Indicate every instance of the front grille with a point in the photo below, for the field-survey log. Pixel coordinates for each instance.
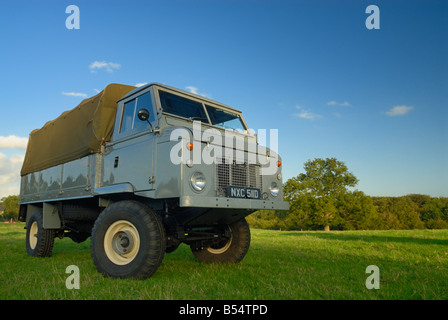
(230, 173)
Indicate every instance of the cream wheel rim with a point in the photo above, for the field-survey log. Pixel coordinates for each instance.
(121, 242)
(33, 235)
(223, 248)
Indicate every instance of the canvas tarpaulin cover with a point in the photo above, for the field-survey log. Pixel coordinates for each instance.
(75, 133)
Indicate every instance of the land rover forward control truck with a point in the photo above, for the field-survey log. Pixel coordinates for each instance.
(142, 170)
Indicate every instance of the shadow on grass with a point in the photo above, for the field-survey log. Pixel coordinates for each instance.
(340, 235)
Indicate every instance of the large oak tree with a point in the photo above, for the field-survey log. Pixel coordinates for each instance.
(325, 180)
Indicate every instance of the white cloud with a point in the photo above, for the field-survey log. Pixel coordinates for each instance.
(192, 89)
(74, 94)
(10, 174)
(399, 111)
(10, 166)
(108, 66)
(305, 114)
(334, 103)
(13, 142)
(196, 91)
(337, 115)
(140, 84)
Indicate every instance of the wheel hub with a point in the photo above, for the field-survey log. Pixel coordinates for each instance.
(121, 242)
(33, 235)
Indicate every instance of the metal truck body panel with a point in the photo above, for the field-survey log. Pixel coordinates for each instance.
(69, 180)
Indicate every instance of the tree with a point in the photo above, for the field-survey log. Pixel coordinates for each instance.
(357, 212)
(398, 213)
(325, 180)
(434, 213)
(11, 204)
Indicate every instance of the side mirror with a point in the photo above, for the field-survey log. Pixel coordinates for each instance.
(143, 114)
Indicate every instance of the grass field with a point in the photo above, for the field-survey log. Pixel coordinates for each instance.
(279, 265)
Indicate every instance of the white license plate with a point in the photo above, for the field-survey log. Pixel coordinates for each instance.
(241, 192)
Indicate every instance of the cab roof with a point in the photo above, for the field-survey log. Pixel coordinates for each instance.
(182, 92)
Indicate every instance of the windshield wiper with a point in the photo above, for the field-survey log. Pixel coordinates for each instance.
(198, 118)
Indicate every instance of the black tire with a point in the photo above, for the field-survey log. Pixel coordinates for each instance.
(231, 251)
(128, 241)
(39, 241)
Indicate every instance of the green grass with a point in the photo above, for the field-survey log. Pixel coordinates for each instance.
(279, 265)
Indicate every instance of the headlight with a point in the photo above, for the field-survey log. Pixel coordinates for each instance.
(198, 181)
(274, 189)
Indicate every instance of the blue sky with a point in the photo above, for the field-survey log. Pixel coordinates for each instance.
(374, 99)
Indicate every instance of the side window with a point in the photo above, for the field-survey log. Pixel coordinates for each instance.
(144, 101)
(128, 116)
(130, 121)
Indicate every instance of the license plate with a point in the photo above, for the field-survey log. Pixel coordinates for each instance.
(241, 192)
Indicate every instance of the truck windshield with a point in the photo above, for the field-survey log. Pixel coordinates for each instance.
(193, 110)
(182, 107)
(224, 119)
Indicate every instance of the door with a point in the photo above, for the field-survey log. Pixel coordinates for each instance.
(130, 157)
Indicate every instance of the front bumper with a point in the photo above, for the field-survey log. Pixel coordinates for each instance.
(231, 203)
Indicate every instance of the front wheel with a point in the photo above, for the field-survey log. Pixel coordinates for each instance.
(229, 250)
(128, 241)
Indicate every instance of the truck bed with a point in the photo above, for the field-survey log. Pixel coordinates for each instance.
(74, 179)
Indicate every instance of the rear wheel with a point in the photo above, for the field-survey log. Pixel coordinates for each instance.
(231, 249)
(128, 241)
(39, 241)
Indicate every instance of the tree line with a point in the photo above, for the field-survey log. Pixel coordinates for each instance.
(320, 199)
(357, 211)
